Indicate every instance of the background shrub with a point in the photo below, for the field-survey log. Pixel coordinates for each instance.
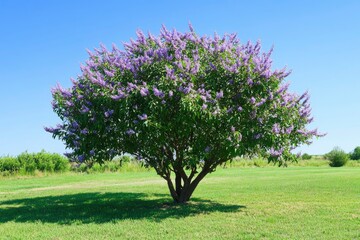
(119, 163)
(44, 162)
(61, 163)
(337, 157)
(306, 156)
(29, 163)
(125, 159)
(9, 164)
(112, 166)
(81, 168)
(355, 155)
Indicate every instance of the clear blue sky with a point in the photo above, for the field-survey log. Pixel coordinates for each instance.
(44, 42)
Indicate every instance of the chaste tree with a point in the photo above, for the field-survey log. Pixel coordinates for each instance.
(182, 104)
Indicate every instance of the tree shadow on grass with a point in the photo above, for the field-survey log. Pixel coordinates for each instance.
(98, 207)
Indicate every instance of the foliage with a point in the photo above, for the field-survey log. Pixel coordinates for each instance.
(120, 163)
(337, 157)
(30, 162)
(9, 164)
(355, 155)
(306, 156)
(181, 102)
(259, 162)
(352, 164)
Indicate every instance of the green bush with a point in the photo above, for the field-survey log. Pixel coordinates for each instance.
(97, 168)
(9, 164)
(44, 162)
(337, 157)
(61, 163)
(306, 156)
(112, 166)
(29, 163)
(310, 163)
(355, 155)
(51, 162)
(81, 168)
(119, 163)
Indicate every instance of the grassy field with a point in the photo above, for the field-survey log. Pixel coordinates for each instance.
(234, 203)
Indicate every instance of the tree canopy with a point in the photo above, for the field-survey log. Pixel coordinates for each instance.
(355, 155)
(182, 104)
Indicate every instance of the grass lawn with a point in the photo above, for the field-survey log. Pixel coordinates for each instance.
(233, 203)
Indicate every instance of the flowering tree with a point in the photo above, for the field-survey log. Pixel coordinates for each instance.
(182, 104)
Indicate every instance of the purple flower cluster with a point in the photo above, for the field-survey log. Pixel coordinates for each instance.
(276, 153)
(276, 128)
(143, 117)
(108, 113)
(158, 93)
(219, 94)
(144, 91)
(130, 132)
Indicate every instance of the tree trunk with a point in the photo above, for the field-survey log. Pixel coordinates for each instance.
(182, 193)
(178, 185)
(172, 190)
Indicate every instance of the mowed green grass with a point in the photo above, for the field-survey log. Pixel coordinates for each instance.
(233, 203)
